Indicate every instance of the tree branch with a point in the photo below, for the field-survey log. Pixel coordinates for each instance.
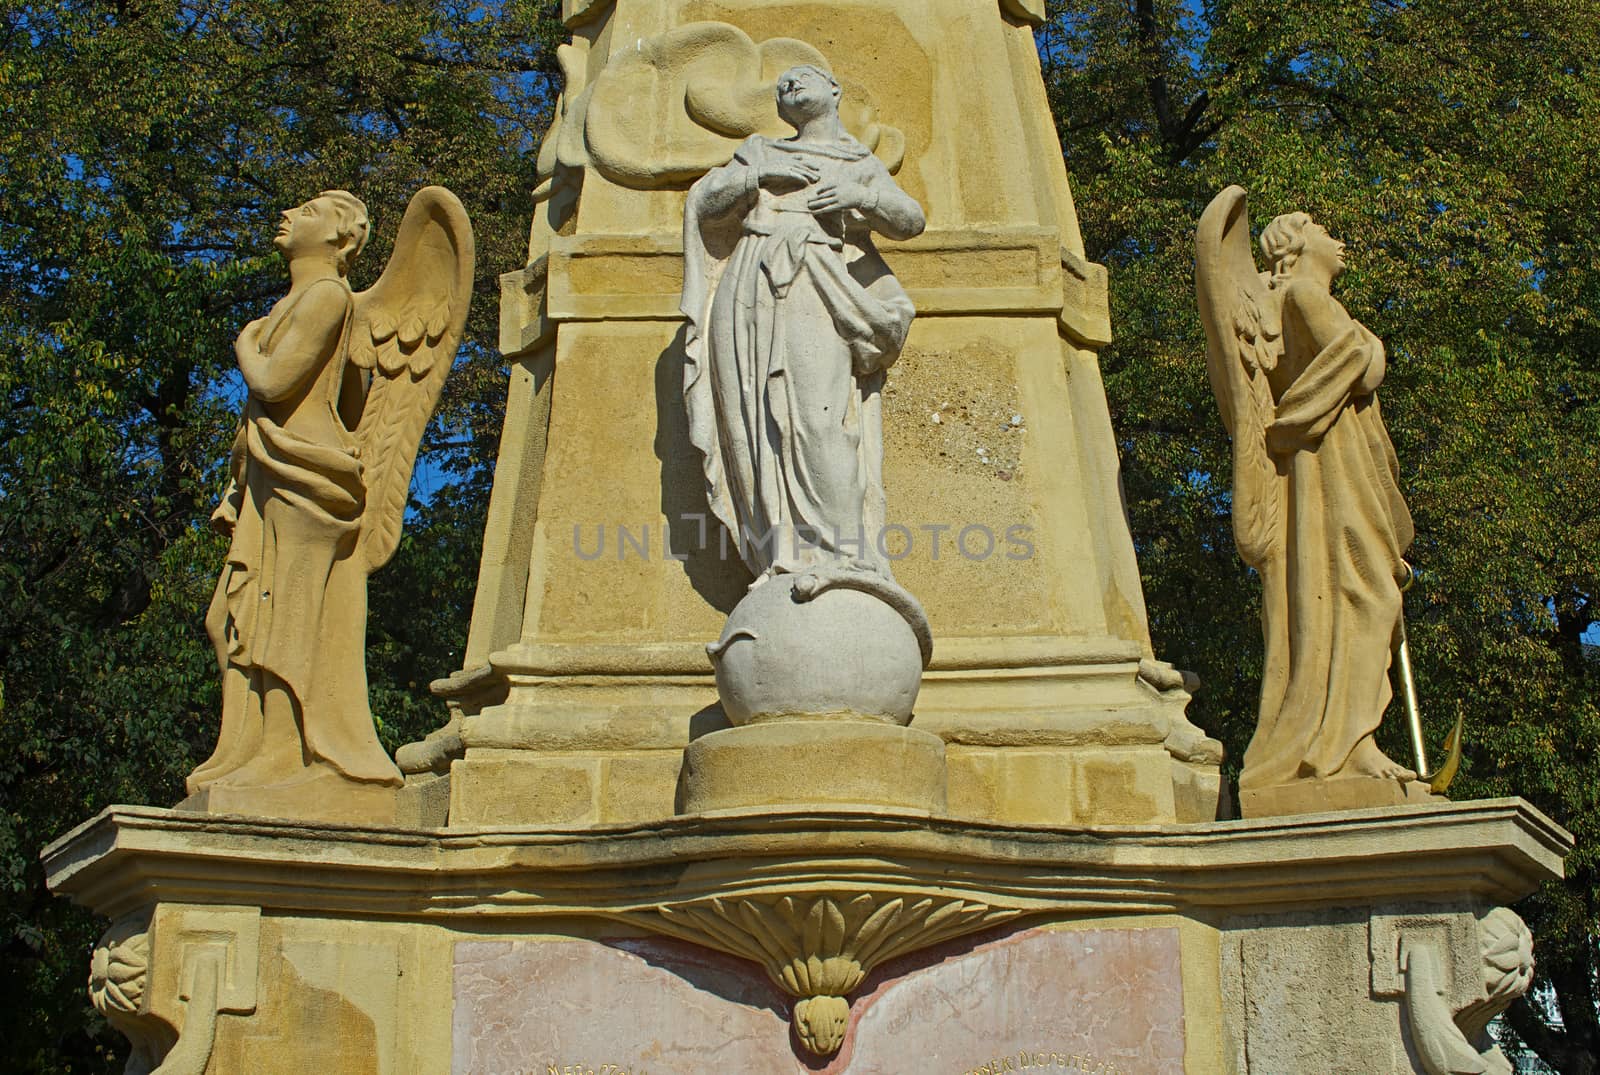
(1551, 1046)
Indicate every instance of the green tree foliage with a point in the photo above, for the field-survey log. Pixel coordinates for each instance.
(1456, 146)
(147, 148)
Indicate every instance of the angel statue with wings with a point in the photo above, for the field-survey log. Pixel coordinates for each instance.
(341, 386)
(1317, 510)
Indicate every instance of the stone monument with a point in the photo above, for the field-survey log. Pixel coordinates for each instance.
(585, 674)
(805, 329)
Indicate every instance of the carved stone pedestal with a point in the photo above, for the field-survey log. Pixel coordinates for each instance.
(788, 942)
(618, 860)
(1316, 796)
(323, 796)
(817, 762)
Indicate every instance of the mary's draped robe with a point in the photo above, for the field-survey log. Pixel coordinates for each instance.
(789, 338)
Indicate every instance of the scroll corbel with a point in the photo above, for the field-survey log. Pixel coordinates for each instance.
(1457, 1042)
(192, 1052)
(164, 980)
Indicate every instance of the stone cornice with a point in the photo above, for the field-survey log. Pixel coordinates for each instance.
(129, 857)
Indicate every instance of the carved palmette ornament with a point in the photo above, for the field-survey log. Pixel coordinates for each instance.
(819, 947)
(119, 975)
(1507, 948)
(118, 971)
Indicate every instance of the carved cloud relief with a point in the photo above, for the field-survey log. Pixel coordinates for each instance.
(674, 106)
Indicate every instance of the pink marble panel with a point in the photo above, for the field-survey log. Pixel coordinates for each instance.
(621, 1008)
(1108, 1002)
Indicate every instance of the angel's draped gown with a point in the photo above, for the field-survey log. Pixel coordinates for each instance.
(288, 619)
(1331, 602)
(789, 337)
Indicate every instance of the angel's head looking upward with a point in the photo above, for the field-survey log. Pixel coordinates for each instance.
(1295, 241)
(334, 223)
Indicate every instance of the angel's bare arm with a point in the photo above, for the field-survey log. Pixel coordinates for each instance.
(1327, 320)
(306, 342)
(1322, 314)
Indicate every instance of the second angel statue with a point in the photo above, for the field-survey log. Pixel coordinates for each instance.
(341, 386)
(1317, 509)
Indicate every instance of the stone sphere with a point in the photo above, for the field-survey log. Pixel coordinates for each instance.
(843, 652)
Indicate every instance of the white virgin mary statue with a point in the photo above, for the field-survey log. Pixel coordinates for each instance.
(790, 335)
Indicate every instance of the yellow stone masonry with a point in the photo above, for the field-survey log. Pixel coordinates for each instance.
(602, 576)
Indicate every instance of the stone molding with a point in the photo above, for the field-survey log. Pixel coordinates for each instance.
(1031, 675)
(128, 858)
(1034, 692)
(946, 272)
(579, 12)
(954, 654)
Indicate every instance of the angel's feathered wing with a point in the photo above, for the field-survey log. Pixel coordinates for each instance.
(405, 332)
(1243, 341)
